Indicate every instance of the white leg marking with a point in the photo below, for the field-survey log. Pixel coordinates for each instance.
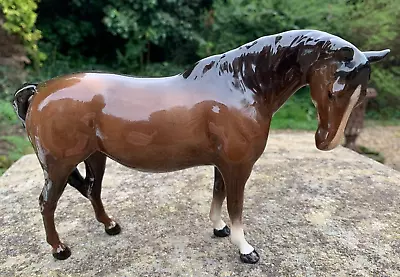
(90, 187)
(215, 216)
(60, 248)
(340, 131)
(237, 238)
(112, 224)
(45, 191)
(40, 152)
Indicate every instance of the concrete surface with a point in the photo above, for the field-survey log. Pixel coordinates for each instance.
(307, 212)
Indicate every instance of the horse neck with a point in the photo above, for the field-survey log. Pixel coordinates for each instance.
(266, 70)
(271, 75)
(278, 96)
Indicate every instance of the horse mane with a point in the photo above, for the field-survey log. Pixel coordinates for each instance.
(277, 56)
(273, 46)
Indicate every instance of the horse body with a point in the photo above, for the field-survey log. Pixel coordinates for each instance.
(155, 125)
(217, 112)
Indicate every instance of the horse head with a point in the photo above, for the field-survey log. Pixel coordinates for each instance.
(338, 82)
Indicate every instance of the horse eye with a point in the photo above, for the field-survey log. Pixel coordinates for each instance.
(330, 96)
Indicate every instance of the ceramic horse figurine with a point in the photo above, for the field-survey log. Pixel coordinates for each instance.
(218, 113)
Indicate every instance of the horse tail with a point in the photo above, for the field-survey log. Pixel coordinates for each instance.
(22, 99)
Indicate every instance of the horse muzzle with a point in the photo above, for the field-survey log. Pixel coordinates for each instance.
(324, 140)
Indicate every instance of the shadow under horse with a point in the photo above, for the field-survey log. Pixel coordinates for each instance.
(218, 113)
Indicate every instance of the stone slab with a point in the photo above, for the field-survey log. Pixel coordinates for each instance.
(307, 212)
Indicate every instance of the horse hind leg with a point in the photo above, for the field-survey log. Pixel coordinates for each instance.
(90, 187)
(55, 181)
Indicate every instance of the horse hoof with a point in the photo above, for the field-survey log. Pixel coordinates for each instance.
(113, 229)
(224, 232)
(62, 252)
(250, 258)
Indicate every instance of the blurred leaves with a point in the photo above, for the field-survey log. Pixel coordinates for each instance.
(368, 24)
(152, 23)
(149, 37)
(20, 18)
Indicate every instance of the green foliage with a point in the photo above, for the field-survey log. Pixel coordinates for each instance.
(20, 18)
(60, 65)
(160, 70)
(386, 106)
(19, 146)
(240, 21)
(297, 113)
(368, 24)
(57, 65)
(77, 31)
(159, 38)
(5, 163)
(10, 79)
(153, 26)
(124, 35)
(7, 113)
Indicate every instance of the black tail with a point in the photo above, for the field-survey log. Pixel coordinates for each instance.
(22, 99)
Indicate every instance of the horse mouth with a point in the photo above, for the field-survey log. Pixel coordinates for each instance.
(322, 146)
(326, 146)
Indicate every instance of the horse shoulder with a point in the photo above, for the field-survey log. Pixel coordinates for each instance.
(236, 136)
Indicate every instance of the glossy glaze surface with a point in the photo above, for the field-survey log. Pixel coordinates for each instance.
(217, 112)
(143, 123)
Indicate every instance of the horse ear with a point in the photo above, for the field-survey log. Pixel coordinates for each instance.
(375, 56)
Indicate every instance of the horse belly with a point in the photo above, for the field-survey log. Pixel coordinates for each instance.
(159, 146)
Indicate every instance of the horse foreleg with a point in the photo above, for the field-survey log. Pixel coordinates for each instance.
(76, 180)
(219, 194)
(235, 180)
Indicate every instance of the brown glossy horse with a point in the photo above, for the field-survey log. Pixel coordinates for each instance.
(216, 113)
